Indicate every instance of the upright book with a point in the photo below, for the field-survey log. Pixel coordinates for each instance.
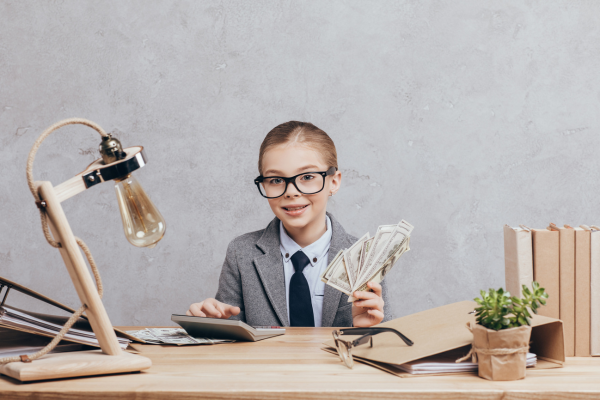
(518, 259)
(546, 268)
(582, 292)
(595, 292)
(566, 237)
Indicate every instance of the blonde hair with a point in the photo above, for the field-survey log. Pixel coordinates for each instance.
(303, 133)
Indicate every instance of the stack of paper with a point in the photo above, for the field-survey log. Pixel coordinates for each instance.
(445, 363)
(176, 336)
(21, 320)
(369, 259)
(11, 351)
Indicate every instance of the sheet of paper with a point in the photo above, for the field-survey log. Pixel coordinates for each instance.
(19, 319)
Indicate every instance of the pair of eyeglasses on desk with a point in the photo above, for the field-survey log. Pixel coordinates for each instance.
(344, 347)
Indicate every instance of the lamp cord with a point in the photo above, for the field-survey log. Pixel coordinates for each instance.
(88, 254)
(31, 159)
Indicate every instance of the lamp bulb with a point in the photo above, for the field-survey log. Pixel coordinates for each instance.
(143, 224)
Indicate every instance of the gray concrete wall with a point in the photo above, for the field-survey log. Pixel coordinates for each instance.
(458, 116)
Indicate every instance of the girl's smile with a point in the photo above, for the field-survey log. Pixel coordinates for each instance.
(295, 209)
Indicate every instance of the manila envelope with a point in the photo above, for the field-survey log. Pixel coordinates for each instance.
(443, 329)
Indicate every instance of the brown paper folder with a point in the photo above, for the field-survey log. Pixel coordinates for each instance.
(82, 323)
(582, 293)
(546, 269)
(442, 329)
(567, 287)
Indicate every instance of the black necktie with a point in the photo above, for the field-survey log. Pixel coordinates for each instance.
(301, 311)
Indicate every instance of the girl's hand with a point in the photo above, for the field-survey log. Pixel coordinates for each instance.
(368, 309)
(212, 308)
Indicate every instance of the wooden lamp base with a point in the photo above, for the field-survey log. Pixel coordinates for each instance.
(69, 365)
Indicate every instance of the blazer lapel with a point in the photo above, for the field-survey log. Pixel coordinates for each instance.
(331, 300)
(270, 269)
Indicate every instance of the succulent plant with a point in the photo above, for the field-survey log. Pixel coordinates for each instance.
(498, 310)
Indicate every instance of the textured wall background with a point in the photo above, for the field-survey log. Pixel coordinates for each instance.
(457, 116)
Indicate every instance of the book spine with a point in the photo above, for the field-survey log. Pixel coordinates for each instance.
(595, 293)
(567, 287)
(546, 269)
(518, 260)
(582, 293)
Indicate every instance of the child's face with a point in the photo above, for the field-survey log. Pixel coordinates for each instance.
(297, 210)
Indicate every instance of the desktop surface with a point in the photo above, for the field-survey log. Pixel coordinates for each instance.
(294, 366)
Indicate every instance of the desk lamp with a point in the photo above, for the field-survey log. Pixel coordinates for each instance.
(144, 227)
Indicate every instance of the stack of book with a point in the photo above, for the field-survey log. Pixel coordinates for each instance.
(566, 262)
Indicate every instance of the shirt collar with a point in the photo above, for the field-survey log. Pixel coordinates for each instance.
(316, 250)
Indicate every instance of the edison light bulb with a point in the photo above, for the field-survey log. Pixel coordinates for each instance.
(142, 222)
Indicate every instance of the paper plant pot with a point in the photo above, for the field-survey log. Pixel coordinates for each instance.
(502, 355)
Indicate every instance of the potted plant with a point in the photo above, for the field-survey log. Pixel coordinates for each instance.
(501, 334)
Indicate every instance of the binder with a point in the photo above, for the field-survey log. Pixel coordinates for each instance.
(567, 286)
(82, 322)
(518, 259)
(546, 268)
(443, 329)
(582, 292)
(595, 292)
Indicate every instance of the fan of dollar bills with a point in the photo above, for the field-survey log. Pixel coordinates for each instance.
(369, 259)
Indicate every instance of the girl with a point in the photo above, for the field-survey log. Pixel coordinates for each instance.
(272, 276)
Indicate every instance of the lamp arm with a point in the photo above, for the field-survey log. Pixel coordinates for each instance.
(44, 135)
(31, 159)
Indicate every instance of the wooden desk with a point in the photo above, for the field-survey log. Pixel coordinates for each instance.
(293, 366)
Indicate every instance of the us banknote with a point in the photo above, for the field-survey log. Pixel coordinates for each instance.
(369, 259)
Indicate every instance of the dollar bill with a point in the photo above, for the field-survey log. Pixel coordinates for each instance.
(396, 245)
(387, 265)
(339, 278)
(368, 260)
(329, 270)
(380, 240)
(176, 336)
(145, 336)
(383, 232)
(352, 259)
(364, 251)
(401, 233)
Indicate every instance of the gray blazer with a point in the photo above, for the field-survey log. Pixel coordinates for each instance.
(252, 279)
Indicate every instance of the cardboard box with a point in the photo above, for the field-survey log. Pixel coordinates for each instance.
(443, 329)
(546, 268)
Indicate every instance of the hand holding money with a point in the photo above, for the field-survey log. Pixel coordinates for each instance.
(368, 260)
(367, 309)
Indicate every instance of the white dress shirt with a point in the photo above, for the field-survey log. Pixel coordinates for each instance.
(317, 254)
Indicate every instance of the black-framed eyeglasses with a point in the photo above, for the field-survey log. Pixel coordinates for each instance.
(344, 347)
(273, 187)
